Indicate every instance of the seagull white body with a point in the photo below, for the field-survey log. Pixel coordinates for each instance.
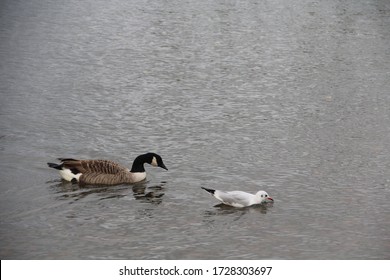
(239, 198)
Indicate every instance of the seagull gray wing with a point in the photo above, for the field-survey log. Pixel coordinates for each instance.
(234, 198)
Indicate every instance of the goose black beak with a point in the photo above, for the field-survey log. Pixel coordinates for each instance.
(162, 165)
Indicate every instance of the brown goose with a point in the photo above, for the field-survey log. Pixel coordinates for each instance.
(105, 172)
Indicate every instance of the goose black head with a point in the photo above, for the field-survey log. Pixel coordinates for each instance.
(150, 158)
(156, 160)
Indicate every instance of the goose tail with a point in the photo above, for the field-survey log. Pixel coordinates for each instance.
(55, 165)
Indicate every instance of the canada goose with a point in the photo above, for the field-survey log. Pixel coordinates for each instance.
(239, 198)
(105, 172)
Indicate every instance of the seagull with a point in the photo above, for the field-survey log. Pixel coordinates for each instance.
(239, 198)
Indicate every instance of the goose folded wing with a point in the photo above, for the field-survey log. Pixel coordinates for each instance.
(94, 166)
(104, 179)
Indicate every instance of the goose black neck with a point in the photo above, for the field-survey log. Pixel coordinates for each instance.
(138, 164)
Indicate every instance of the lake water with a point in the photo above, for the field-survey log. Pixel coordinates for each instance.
(290, 97)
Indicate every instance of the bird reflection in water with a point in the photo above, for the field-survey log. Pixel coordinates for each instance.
(211, 217)
(141, 191)
(152, 194)
(223, 209)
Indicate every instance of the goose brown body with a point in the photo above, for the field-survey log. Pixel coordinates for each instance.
(105, 172)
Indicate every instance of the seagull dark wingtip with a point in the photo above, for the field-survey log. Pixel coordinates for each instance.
(209, 190)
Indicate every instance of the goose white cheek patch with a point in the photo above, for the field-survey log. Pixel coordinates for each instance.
(154, 161)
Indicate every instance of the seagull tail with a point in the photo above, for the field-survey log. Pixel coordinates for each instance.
(209, 190)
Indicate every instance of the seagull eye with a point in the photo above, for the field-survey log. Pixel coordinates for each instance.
(266, 195)
(261, 195)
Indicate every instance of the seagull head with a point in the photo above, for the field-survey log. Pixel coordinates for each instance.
(262, 196)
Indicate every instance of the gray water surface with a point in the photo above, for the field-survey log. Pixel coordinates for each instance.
(291, 97)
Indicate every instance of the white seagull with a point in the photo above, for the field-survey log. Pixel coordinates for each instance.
(239, 198)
